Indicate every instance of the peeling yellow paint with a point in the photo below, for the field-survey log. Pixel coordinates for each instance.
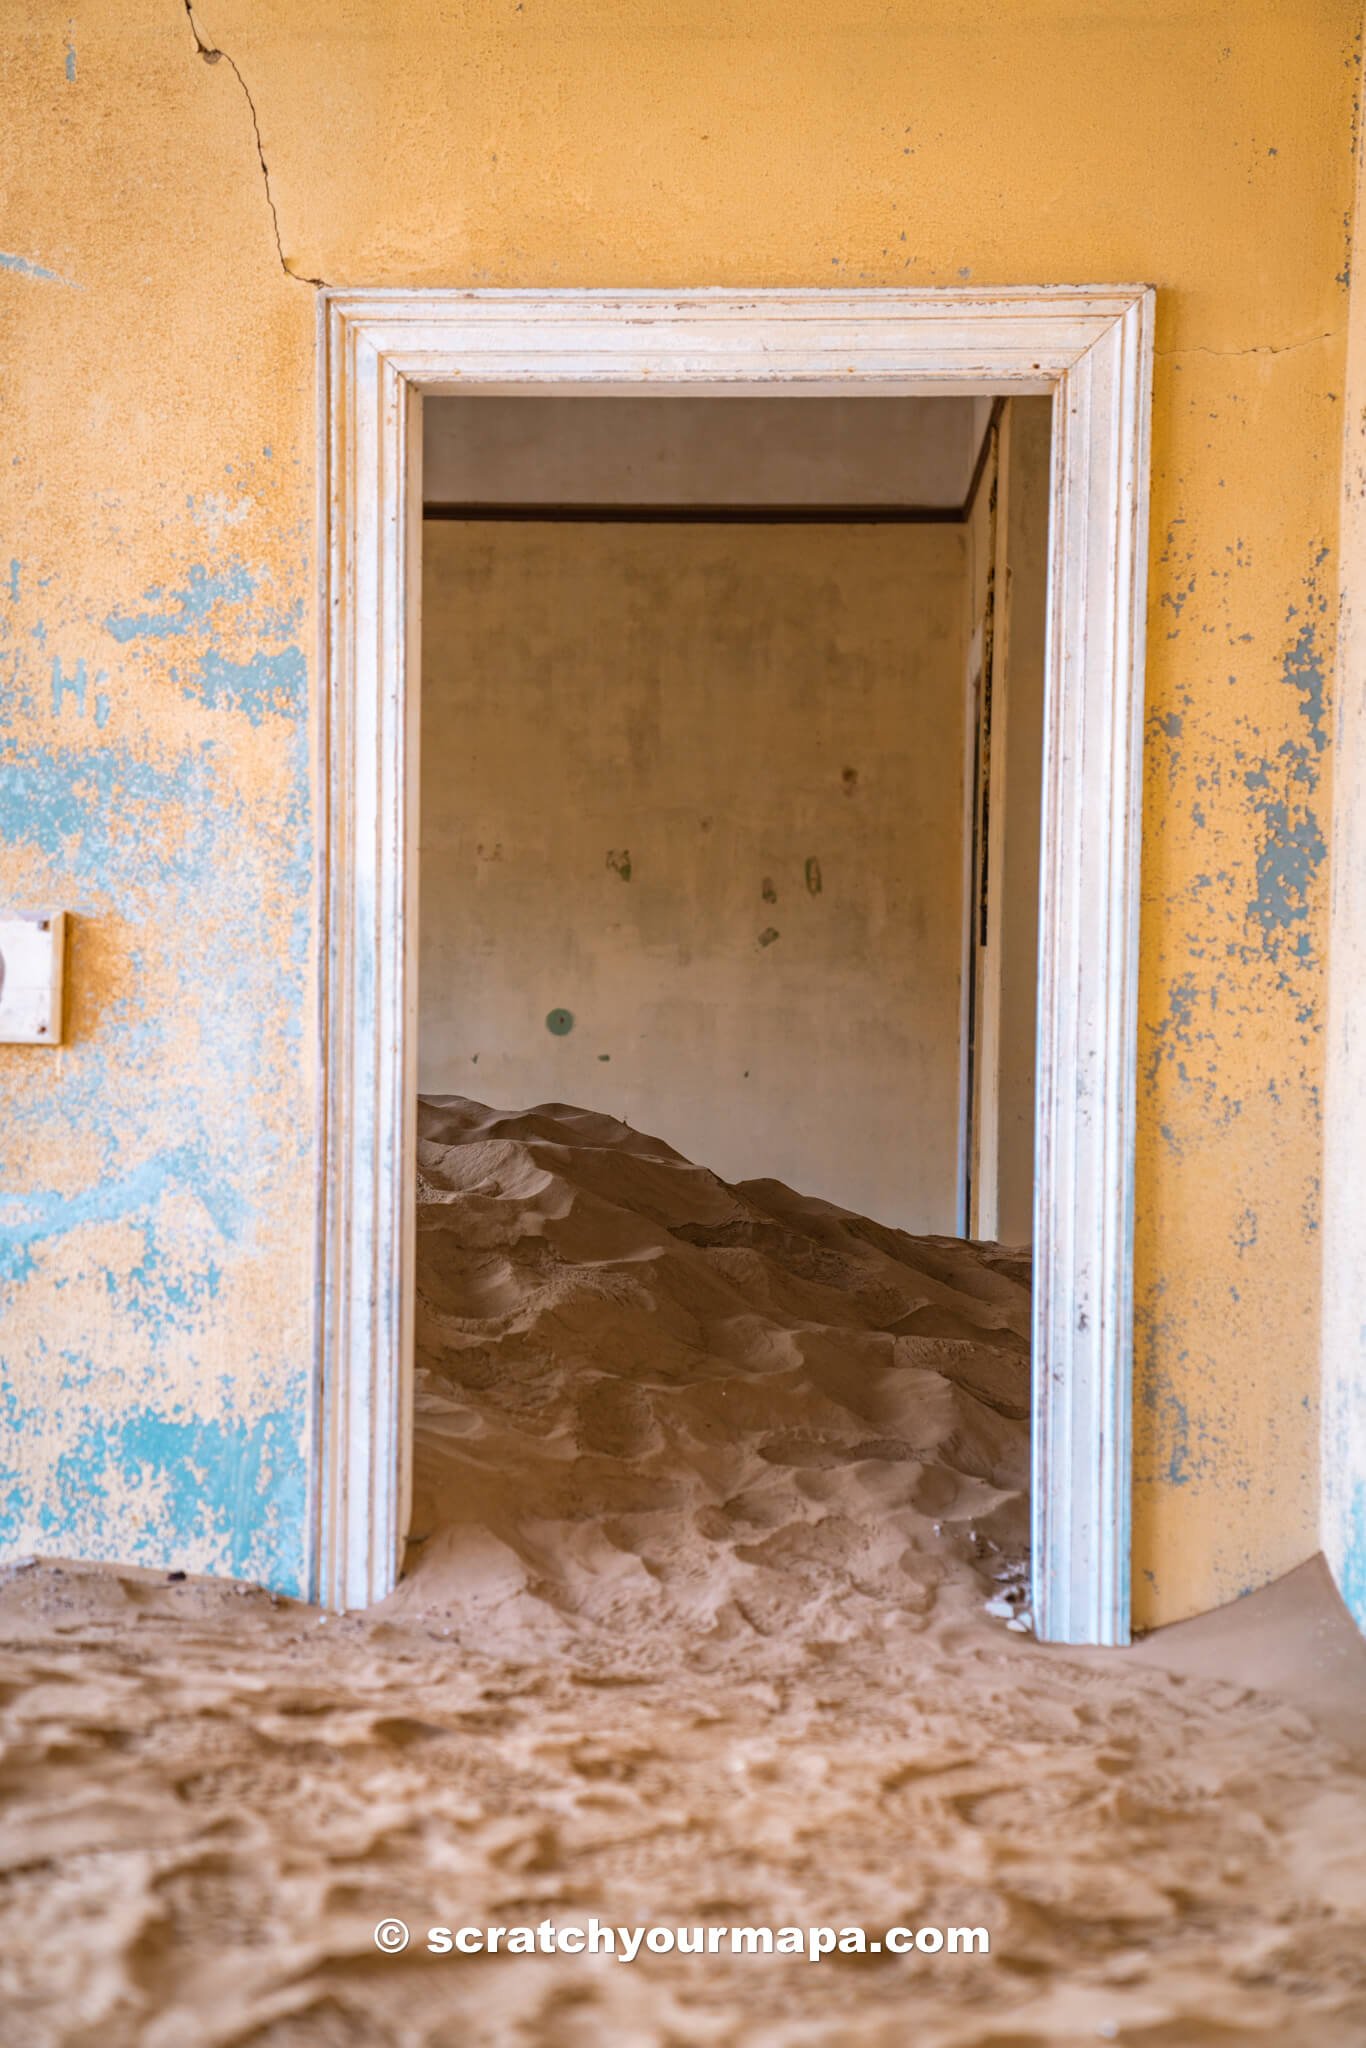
(1206, 148)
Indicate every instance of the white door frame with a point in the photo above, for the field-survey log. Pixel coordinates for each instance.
(1091, 347)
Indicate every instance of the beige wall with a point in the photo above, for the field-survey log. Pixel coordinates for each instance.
(980, 1017)
(1025, 604)
(709, 451)
(700, 788)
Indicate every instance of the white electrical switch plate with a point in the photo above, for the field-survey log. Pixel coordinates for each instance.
(32, 955)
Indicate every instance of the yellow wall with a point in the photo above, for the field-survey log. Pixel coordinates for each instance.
(698, 789)
(157, 495)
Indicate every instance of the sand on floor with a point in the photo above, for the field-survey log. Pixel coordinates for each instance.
(719, 1528)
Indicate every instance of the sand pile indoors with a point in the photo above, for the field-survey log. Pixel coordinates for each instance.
(711, 1618)
(649, 1402)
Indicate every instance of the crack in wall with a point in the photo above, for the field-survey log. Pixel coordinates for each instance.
(1285, 348)
(211, 55)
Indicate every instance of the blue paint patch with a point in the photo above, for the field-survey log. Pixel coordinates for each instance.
(16, 1498)
(1292, 847)
(29, 1220)
(181, 611)
(1287, 860)
(76, 686)
(93, 810)
(204, 884)
(1185, 1450)
(165, 1291)
(1302, 668)
(269, 683)
(1177, 1034)
(1179, 1430)
(21, 267)
(236, 1488)
(91, 807)
(64, 685)
(16, 1503)
(1176, 599)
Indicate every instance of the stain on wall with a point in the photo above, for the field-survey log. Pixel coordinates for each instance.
(158, 341)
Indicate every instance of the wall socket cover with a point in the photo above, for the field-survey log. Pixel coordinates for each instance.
(32, 957)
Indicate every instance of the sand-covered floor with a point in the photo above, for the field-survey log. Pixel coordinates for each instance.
(713, 1488)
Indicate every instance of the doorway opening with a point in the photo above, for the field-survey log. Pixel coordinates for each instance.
(730, 765)
(720, 743)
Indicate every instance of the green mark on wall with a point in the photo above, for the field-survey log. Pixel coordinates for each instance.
(813, 876)
(767, 937)
(768, 892)
(620, 863)
(560, 1022)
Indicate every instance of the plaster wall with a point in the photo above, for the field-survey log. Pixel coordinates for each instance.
(691, 841)
(1025, 600)
(168, 211)
(979, 1165)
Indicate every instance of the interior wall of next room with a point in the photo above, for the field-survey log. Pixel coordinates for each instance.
(1020, 732)
(671, 449)
(691, 841)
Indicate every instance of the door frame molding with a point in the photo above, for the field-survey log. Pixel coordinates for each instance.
(379, 352)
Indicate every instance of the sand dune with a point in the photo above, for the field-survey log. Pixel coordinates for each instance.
(649, 1401)
(715, 1486)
